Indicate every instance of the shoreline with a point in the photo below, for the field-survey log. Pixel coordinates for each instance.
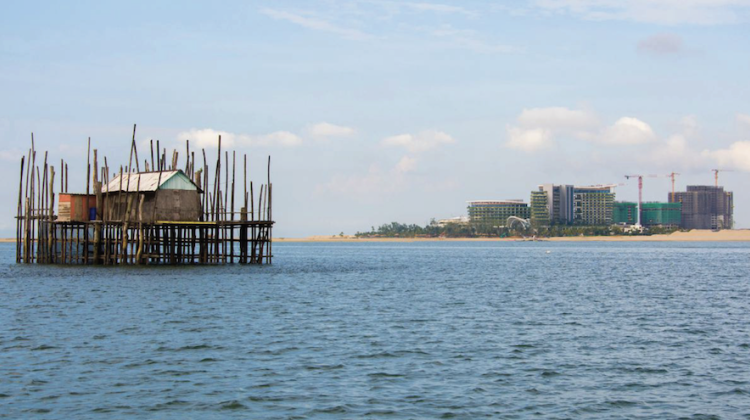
(734, 235)
(738, 235)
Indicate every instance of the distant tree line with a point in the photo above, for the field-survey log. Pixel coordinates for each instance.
(487, 230)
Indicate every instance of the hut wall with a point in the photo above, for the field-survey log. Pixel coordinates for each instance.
(177, 205)
(171, 206)
(75, 207)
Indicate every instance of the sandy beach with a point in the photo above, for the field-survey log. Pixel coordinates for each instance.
(739, 235)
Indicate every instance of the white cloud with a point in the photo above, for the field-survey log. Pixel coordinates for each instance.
(674, 153)
(560, 120)
(662, 45)
(736, 157)
(209, 138)
(392, 8)
(439, 8)
(324, 130)
(690, 126)
(529, 140)
(536, 129)
(743, 119)
(315, 23)
(406, 164)
(282, 138)
(420, 142)
(629, 131)
(12, 155)
(663, 12)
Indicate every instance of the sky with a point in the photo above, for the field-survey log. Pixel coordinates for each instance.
(376, 111)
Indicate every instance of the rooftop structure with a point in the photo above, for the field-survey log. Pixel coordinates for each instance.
(150, 181)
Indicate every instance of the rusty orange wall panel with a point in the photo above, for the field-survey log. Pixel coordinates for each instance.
(75, 207)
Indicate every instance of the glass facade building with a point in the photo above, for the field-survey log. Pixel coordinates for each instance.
(497, 212)
(593, 205)
(539, 209)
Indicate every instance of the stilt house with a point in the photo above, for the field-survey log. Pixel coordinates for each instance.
(166, 196)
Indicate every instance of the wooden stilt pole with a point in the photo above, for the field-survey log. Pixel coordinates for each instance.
(19, 213)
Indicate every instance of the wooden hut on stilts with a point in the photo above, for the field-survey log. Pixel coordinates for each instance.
(165, 214)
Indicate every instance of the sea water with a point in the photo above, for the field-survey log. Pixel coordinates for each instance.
(386, 330)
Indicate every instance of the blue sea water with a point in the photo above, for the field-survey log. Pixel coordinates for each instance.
(386, 330)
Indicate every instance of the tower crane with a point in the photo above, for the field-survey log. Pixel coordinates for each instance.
(716, 175)
(640, 192)
(673, 175)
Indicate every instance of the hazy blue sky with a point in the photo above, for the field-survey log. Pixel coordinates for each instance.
(379, 111)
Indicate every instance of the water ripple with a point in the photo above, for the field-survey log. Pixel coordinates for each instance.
(401, 331)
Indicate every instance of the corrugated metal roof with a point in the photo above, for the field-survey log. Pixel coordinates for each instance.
(147, 181)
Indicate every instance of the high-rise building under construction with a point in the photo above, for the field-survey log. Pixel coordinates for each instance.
(705, 207)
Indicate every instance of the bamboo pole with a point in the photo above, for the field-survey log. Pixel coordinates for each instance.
(156, 197)
(42, 239)
(31, 166)
(36, 198)
(217, 180)
(98, 212)
(135, 149)
(18, 213)
(29, 239)
(50, 226)
(139, 253)
(118, 213)
(88, 169)
(231, 232)
(268, 191)
(105, 207)
(187, 157)
(226, 182)
(244, 186)
(205, 187)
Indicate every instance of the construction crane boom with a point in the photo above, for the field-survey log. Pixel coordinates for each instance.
(640, 189)
(640, 194)
(673, 175)
(716, 175)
